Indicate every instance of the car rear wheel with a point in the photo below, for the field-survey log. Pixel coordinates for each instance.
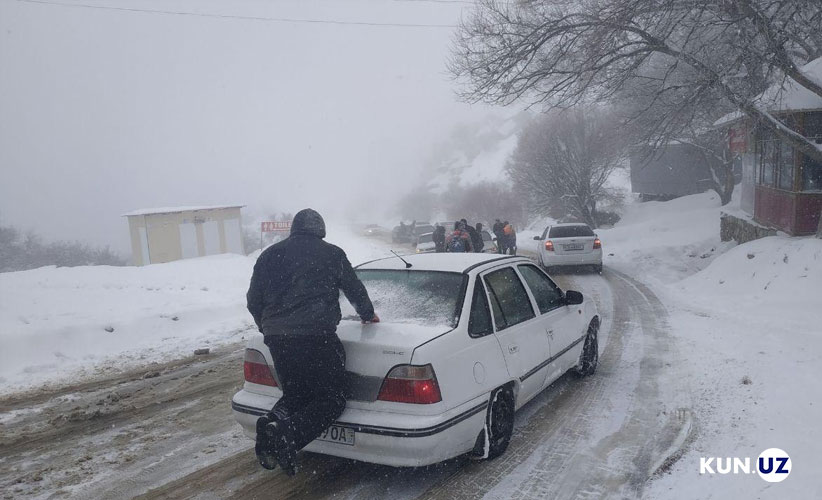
(598, 268)
(499, 423)
(589, 359)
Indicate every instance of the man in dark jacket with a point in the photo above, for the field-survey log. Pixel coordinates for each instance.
(498, 232)
(476, 239)
(438, 237)
(479, 244)
(294, 299)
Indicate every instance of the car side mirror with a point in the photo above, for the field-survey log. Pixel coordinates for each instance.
(572, 298)
(537, 238)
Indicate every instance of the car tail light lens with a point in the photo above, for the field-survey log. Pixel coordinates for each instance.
(411, 384)
(597, 244)
(549, 246)
(256, 369)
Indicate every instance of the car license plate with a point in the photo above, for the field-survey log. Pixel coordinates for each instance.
(337, 434)
(573, 246)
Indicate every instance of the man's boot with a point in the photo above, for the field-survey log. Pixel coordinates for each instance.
(266, 452)
(282, 439)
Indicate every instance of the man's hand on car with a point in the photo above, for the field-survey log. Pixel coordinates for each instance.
(375, 319)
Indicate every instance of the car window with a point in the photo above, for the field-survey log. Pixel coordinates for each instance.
(409, 296)
(486, 236)
(571, 231)
(508, 298)
(479, 322)
(546, 293)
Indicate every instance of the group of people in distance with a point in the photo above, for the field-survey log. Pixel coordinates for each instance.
(468, 238)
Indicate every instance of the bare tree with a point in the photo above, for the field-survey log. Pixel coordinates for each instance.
(564, 159)
(661, 106)
(565, 52)
(19, 251)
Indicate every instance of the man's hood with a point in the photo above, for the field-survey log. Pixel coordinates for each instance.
(309, 222)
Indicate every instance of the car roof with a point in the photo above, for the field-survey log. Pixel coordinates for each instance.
(566, 224)
(445, 262)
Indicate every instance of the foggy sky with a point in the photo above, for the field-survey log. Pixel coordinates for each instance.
(103, 112)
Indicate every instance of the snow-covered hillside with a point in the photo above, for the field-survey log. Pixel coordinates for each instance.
(748, 320)
(474, 153)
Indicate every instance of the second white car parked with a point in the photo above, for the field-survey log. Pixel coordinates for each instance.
(569, 245)
(465, 340)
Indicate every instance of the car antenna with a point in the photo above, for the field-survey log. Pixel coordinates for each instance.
(407, 265)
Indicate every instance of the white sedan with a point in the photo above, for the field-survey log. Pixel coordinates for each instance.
(569, 245)
(465, 340)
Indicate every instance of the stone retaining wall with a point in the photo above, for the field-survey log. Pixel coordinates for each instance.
(741, 230)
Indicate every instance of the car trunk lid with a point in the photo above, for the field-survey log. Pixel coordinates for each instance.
(370, 352)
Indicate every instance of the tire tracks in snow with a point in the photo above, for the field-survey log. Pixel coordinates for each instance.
(116, 428)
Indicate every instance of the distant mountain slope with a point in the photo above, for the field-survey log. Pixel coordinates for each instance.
(474, 153)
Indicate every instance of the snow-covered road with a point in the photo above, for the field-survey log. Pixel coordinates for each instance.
(172, 435)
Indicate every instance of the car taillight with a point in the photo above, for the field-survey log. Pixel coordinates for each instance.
(597, 244)
(256, 369)
(411, 384)
(549, 246)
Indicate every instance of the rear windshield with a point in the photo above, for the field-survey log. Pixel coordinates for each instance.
(570, 231)
(486, 236)
(427, 238)
(419, 297)
(424, 229)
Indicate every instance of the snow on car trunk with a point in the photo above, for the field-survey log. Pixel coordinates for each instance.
(414, 307)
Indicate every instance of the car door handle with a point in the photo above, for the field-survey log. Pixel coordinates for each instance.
(513, 348)
(550, 333)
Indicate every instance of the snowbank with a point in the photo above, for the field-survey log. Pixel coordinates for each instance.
(57, 320)
(777, 281)
(663, 242)
(747, 322)
(57, 323)
(750, 328)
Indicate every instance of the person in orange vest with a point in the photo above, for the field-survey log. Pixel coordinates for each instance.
(510, 238)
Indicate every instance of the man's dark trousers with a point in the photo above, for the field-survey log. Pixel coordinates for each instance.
(311, 372)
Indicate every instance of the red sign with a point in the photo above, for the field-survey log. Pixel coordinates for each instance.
(271, 226)
(738, 139)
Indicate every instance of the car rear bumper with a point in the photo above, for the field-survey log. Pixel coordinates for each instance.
(395, 439)
(571, 259)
